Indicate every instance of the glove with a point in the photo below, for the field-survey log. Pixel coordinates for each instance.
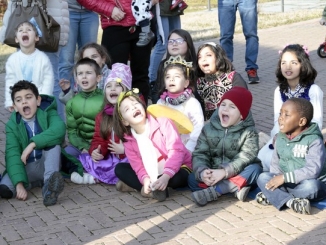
(322, 21)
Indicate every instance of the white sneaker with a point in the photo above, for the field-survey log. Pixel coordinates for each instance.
(85, 179)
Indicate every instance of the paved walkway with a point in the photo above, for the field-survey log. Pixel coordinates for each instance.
(98, 214)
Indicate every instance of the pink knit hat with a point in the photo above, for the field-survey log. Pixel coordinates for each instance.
(120, 73)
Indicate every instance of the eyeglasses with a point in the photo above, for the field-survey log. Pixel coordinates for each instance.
(177, 41)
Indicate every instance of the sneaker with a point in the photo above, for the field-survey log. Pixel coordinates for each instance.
(176, 3)
(202, 197)
(52, 188)
(182, 6)
(242, 193)
(262, 199)
(252, 76)
(160, 195)
(123, 187)
(145, 38)
(5, 192)
(301, 205)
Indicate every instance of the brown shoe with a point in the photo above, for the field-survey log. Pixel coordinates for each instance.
(121, 186)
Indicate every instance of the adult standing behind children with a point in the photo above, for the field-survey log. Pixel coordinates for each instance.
(83, 29)
(58, 9)
(34, 134)
(120, 37)
(28, 63)
(227, 11)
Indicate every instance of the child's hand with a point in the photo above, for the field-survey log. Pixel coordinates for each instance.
(147, 185)
(206, 176)
(217, 175)
(96, 154)
(27, 151)
(21, 192)
(275, 182)
(116, 148)
(64, 84)
(161, 183)
(10, 108)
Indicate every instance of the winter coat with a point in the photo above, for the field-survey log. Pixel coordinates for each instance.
(58, 9)
(53, 133)
(81, 111)
(231, 149)
(301, 158)
(105, 8)
(166, 139)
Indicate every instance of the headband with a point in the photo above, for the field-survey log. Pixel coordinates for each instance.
(123, 95)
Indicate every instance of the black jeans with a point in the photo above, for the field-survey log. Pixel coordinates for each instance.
(126, 174)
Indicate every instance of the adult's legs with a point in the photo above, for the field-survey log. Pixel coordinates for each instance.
(227, 18)
(54, 59)
(88, 28)
(248, 14)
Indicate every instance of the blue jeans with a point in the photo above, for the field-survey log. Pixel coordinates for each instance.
(249, 174)
(227, 17)
(169, 23)
(83, 30)
(54, 59)
(311, 189)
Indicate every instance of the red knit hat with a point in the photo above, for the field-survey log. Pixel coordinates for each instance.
(242, 99)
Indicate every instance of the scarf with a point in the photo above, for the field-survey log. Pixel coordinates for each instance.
(176, 99)
(299, 92)
(147, 152)
(109, 109)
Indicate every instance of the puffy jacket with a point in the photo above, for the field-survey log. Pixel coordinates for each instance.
(53, 133)
(231, 149)
(81, 111)
(58, 9)
(166, 139)
(105, 8)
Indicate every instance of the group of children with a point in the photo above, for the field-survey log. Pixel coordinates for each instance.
(114, 140)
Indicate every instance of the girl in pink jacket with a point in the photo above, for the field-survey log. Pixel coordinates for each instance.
(158, 158)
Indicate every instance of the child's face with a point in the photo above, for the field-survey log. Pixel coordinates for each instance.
(175, 49)
(290, 121)
(94, 55)
(175, 81)
(26, 36)
(132, 112)
(229, 113)
(112, 91)
(87, 78)
(290, 67)
(26, 103)
(207, 61)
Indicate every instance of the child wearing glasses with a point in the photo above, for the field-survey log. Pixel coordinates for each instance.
(157, 159)
(215, 76)
(179, 43)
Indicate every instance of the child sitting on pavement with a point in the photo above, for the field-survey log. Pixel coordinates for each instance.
(34, 133)
(28, 63)
(82, 109)
(225, 158)
(298, 169)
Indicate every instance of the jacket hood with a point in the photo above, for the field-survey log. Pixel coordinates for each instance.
(312, 129)
(216, 122)
(48, 102)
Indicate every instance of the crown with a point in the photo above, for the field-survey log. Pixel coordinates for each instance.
(177, 60)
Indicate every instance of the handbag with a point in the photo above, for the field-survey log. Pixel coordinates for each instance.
(48, 29)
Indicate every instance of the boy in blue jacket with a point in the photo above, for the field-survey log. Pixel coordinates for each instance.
(34, 133)
(298, 169)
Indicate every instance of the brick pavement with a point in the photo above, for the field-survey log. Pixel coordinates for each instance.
(98, 214)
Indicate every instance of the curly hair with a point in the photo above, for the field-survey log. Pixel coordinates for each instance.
(307, 72)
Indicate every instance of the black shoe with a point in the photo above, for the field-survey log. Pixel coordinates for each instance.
(52, 188)
(5, 192)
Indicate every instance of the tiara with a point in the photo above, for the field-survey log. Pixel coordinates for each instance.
(177, 60)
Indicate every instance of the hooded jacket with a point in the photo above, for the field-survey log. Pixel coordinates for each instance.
(231, 149)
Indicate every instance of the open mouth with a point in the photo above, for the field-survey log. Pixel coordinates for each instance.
(113, 95)
(26, 109)
(85, 83)
(225, 118)
(25, 38)
(136, 113)
(288, 73)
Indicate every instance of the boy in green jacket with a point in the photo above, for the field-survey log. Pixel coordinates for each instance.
(34, 133)
(225, 158)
